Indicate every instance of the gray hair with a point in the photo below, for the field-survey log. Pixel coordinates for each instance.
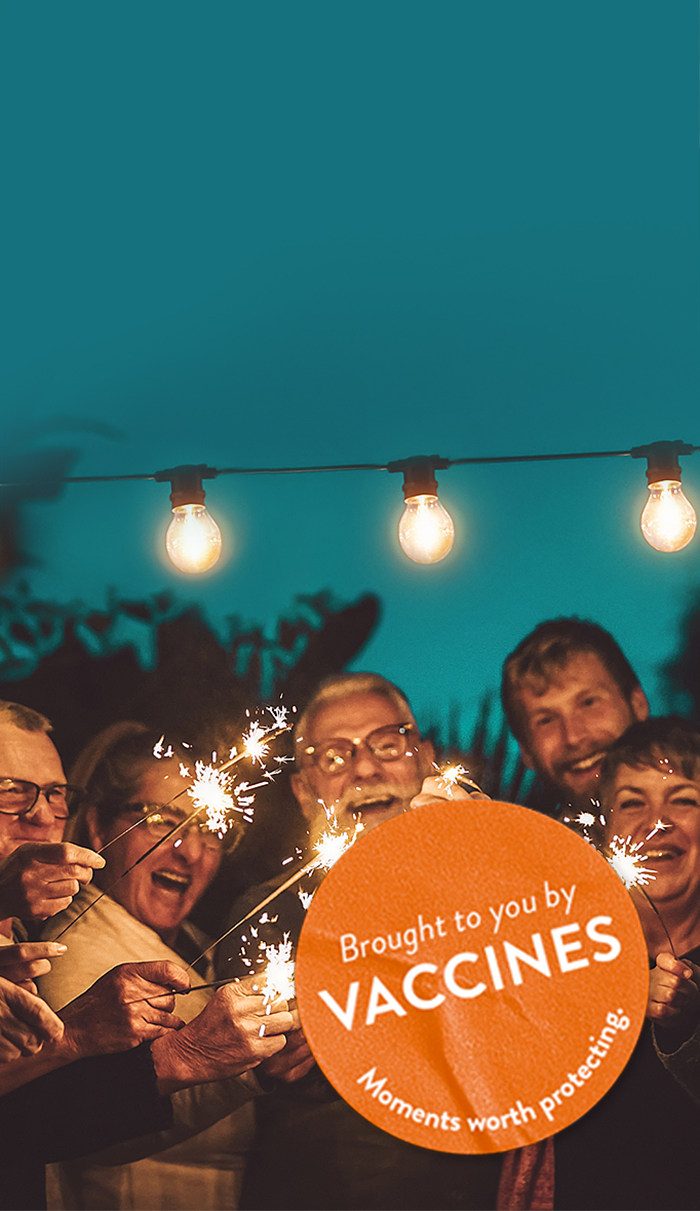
(343, 685)
(23, 717)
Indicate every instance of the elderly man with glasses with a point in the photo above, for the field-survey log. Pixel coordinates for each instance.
(36, 880)
(359, 759)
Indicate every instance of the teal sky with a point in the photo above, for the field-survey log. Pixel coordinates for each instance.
(316, 233)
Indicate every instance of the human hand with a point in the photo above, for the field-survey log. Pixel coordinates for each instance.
(26, 1022)
(674, 991)
(436, 787)
(26, 961)
(236, 1031)
(294, 1060)
(40, 878)
(129, 1004)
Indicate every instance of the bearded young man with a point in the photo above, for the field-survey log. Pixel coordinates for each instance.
(569, 693)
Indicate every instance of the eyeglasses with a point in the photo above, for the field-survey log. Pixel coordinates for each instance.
(159, 820)
(18, 797)
(386, 744)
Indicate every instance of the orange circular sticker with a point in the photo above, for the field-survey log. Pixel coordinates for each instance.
(472, 977)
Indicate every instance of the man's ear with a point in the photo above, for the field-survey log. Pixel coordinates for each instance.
(526, 757)
(303, 796)
(639, 704)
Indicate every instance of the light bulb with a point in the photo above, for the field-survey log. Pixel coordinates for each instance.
(426, 530)
(668, 520)
(193, 539)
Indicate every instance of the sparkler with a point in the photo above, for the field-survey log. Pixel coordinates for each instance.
(208, 793)
(330, 846)
(279, 972)
(452, 775)
(626, 860)
(659, 827)
(281, 985)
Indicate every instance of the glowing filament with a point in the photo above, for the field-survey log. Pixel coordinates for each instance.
(193, 539)
(426, 530)
(668, 520)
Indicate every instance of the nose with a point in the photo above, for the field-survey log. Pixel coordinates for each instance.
(189, 844)
(574, 730)
(40, 815)
(365, 764)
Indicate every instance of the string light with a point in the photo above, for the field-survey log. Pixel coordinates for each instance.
(426, 530)
(193, 539)
(668, 519)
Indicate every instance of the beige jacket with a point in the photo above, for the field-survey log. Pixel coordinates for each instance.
(204, 1153)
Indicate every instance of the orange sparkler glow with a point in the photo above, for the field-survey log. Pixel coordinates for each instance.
(451, 775)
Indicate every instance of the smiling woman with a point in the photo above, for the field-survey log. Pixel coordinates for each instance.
(133, 799)
(650, 787)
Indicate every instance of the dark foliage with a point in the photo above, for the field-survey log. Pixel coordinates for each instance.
(683, 672)
(84, 669)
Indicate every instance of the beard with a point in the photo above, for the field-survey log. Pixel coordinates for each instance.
(382, 801)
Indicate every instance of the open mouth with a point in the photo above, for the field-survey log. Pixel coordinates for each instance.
(666, 854)
(372, 805)
(172, 881)
(586, 764)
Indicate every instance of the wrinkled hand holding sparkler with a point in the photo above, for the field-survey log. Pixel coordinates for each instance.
(279, 972)
(451, 782)
(212, 791)
(278, 975)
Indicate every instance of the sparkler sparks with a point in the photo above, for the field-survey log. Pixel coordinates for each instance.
(279, 716)
(659, 827)
(452, 775)
(210, 791)
(329, 848)
(332, 844)
(279, 972)
(626, 860)
(585, 819)
(255, 747)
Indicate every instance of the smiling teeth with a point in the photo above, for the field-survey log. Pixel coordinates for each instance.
(587, 762)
